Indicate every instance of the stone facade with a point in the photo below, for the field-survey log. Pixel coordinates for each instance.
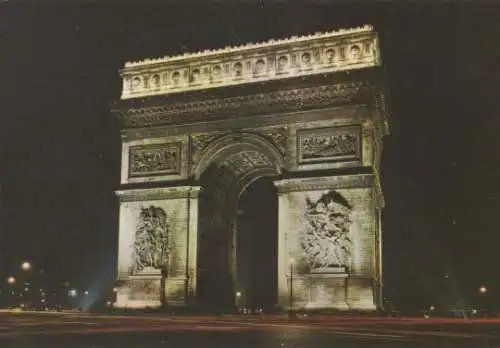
(319, 137)
(274, 60)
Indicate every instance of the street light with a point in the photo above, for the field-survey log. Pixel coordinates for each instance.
(26, 266)
(11, 280)
(483, 289)
(72, 293)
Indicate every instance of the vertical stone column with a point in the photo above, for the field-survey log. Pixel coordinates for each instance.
(142, 288)
(327, 226)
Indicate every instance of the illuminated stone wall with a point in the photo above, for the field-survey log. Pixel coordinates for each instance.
(305, 133)
(140, 284)
(327, 242)
(154, 159)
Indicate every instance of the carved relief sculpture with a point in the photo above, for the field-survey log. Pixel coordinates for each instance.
(154, 159)
(326, 239)
(311, 54)
(318, 145)
(151, 240)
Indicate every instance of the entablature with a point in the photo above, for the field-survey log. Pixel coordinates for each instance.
(354, 92)
(342, 50)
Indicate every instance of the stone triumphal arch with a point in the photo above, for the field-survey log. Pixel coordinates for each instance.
(199, 130)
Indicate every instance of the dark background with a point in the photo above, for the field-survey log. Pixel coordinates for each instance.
(60, 148)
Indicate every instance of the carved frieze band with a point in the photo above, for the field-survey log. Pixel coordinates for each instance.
(261, 103)
(135, 195)
(317, 54)
(324, 183)
(332, 144)
(157, 159)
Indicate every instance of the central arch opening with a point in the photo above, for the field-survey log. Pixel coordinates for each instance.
(238, 227)
(256, 246)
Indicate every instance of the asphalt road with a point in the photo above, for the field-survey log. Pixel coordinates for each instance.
(54, 330)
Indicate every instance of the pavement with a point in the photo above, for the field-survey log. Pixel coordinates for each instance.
(79, 330)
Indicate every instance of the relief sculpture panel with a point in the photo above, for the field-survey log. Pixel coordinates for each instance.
(160, 159)
(330, 144)
(151, 241)
(326, 238)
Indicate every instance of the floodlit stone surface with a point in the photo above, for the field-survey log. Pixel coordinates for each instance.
(193, 155)
(295, 57)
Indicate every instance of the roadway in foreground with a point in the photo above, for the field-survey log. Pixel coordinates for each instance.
(76, 330)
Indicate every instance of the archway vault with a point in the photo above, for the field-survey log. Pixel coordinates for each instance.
(225, 170)
(242, 151)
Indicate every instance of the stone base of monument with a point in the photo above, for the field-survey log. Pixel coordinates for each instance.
(143, 291)
(360, 294)
(332, 291)
(326, 291)
(139, 292)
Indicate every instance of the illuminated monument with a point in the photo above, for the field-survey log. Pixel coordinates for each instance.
(199, 128)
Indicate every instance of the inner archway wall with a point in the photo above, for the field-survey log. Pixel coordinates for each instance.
(227, 166)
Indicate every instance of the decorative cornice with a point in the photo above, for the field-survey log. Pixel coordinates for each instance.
(151, 194)
(270, 43)
(346, 49)
(324, 183)
(248, 105)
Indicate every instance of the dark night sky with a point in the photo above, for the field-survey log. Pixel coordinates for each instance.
(60, 147)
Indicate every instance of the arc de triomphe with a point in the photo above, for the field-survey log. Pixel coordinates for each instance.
(199, 128)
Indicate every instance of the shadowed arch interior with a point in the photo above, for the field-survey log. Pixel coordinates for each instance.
(227, 168)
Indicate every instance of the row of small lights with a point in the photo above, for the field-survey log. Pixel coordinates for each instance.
(26, 266)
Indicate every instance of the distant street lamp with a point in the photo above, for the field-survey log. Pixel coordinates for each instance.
(483, 289)
(72, 293)
(11, 280)
(238, 296)
(292, 262)
(26, 266)
(86, 292)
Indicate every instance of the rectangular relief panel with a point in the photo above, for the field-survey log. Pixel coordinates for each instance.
(326, 229)
(332, 144)
(153, 160)
(153, 234)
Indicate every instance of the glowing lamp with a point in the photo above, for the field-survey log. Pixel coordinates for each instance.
(26, 266)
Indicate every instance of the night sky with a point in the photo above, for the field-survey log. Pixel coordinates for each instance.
(60, 148)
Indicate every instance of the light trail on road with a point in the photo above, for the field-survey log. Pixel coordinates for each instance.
(22, 325)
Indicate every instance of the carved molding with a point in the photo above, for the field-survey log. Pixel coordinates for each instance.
(135, 195)
(330, 144)
(245, 161)
(276, 59)
(278, 136)
(260, 103)
(324, 183)
(156, 159)
(258, 124)
(200, 142)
